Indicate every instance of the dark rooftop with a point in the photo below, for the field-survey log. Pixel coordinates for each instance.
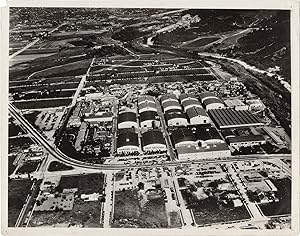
(170, 103)
(174, 113)
(168, 96)
(152, 136)
(195, 111)
(190, 102)
(206, 94)
(148, 115)
(126, 116)
(183, 134)
(230, 118)
(211, 101)
(127, 139)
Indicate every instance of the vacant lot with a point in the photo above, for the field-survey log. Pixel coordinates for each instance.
(15, 144)
(92, 183)
(128, 213)
(284, 194)
(17, 193)
(28, 167)
(14, 130)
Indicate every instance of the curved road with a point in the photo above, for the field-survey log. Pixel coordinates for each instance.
(57, 154)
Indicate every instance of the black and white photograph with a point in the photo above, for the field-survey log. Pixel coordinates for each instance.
(150, 118)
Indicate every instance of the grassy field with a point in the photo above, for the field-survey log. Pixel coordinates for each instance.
(128, 213)
(15, 144)
(14, 130)
(28, 167)
(17, 193)
(58, 166)
(284, 195)
(85, 183)
(43, 103)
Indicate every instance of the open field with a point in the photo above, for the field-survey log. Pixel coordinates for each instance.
(28, 167)
(14, 130)
(43, 103)
(28, 57)
(58, 166)
(284, 194)
(129, 214)
(15, 144)
(17, 193)
(73, 68)
(91, 183)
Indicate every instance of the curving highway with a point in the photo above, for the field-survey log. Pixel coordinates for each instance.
(60, 156)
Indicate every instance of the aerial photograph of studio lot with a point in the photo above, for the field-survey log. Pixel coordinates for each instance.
(149, 118)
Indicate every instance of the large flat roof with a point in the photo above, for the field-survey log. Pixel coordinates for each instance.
(199, 149)
(183, 134)
(153, 136)
(230, 118)
(127, 139)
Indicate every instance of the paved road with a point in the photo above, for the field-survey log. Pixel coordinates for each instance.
(57, 154)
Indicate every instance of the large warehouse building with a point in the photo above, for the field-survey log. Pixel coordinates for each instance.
(199, 142)
(168, 97)
(147, 118)
(127, 142)
(189, 103)
(175, 117)
(197, 116)
(211, 101)
(230, 118)
(147, 106)
(153, 140)
(170, 104)
(127, 120)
